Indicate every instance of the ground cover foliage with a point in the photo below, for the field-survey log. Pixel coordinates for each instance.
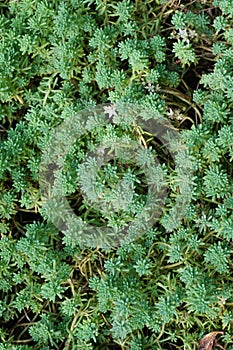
(171, 286)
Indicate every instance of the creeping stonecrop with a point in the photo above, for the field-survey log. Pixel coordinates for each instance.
(171, 285)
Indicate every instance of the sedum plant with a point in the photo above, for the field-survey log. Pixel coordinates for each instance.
(171, 285)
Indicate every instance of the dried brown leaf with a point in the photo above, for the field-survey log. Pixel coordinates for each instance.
(208, 342)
